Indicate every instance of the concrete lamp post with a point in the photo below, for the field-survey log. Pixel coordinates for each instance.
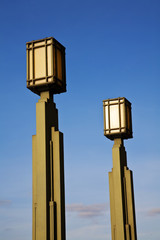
(46, 76)
(118, 126)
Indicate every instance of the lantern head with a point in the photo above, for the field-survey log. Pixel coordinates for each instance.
(46, 66)
(117, 118)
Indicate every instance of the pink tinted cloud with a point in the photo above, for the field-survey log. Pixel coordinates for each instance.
(154, 212)
(87, 211)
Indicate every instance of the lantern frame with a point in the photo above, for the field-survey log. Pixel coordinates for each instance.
(124, 130)
(46, 66)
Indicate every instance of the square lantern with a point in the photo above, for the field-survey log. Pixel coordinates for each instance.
(117, 118)
(46, 66)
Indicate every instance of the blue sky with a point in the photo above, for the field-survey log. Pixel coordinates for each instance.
(112, 50)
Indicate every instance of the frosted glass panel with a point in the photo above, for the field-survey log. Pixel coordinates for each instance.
(54, 61)
(115, 131)
(49, 41)
(59, 64)
(39, 60)
(50, 79)
(114, 116)
(42, 81)
(30, 65)
(39, 44)
(106, 117)
(122, 109)
(49, 62)
(128, 118)
(114, 102)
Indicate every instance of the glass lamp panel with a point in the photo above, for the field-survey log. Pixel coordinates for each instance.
(115, 131)
(39, 62)
(49, 41)
(38, 44)
(40, 81)
(128, 118)
(106, 117)
(114, 116)
(122, 112)
(54, 61)
(49, 60)
(50, 79)
(59, 64)
(30, 64)
(114, 102)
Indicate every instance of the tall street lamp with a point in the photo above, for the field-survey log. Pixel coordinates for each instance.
(46, 76)
(118, 126)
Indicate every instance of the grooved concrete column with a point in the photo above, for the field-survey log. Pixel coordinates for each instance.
(46, 207)
(123, 225)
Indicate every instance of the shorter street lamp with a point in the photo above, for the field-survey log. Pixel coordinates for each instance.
(118, 126)
(117, 118)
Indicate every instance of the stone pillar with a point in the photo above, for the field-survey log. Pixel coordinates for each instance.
(123, 223)
(48, 216)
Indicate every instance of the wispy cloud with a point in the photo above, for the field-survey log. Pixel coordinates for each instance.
(87, 211)
(5, 203)
(154, 212)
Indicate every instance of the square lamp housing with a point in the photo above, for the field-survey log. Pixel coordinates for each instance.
(46, 66)
(117, 118)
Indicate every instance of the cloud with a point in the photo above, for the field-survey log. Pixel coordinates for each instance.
(87, 211)
(154, 212)
(5, 203)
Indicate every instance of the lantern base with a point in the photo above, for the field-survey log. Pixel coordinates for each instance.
(124, 135)
(56, 87)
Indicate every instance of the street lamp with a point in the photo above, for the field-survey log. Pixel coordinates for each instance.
(118, 126)
(46, 76)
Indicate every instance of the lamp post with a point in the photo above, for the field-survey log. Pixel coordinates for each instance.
(46, 76)
(118, 126)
